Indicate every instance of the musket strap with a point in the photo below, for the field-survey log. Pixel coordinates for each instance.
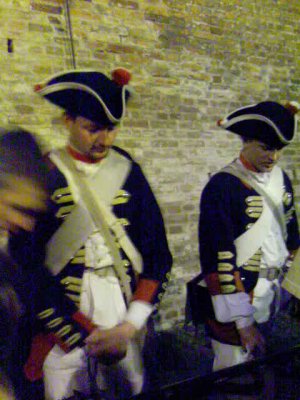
(91, 212)
(251, 240)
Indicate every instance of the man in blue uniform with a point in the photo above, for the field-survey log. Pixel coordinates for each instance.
(248, 232)
(103, 241)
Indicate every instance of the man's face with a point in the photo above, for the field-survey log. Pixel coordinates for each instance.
(89, 138)
(260, 155)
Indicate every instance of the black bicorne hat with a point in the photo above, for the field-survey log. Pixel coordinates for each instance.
(268, 122)
(90, 94)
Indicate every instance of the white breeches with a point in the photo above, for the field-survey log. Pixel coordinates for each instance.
(227, 355)
(102, 301)
(266, 298)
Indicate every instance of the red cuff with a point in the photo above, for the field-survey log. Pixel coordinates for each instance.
(41, 345)
(146, 290)
(213, 284)
(83, 321)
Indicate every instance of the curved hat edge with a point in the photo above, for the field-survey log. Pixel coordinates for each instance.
(57, 87)
(247, 117)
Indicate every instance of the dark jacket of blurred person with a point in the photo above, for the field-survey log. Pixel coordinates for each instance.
(21, 197)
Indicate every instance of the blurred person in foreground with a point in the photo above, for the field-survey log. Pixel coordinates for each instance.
(248, 232)
(22, 197)
(21, 191)
(103, 241)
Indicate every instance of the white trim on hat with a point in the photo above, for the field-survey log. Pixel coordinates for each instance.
(295, 104)
(57, 87)
(246, 117)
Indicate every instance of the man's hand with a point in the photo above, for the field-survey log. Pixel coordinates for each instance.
(6, 394)
(16, 195)
(252, 340)
(110, 345)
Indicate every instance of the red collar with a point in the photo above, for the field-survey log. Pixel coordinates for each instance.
(247, 164)
(81, 157)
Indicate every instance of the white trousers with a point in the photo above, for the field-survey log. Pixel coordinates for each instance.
(102, 301)
(227, 355)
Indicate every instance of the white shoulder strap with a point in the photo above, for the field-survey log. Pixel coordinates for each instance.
(110, 177)
(275, 187)
(91, 211)
(102, 190)
(95, 209)
(78, 225)
(251, 240)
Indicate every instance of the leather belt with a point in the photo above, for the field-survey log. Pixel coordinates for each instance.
(270, 274)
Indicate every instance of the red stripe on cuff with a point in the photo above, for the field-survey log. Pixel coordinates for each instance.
(41, 345)
(213, 284)
(83, 321)
(146, 290)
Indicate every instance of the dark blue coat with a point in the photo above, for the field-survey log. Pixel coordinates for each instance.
(224, 216)
(145, 227)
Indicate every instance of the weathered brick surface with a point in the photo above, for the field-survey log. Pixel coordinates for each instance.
(192, 63)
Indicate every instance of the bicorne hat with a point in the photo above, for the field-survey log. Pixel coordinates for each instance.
(89, 94)
(268, 122)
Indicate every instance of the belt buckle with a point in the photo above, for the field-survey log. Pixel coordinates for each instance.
(272, 274)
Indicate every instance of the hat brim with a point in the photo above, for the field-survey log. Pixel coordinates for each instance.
(82, 100)
(257, 130)
(268, 122)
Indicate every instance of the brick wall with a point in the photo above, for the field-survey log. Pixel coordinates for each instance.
(192, 62)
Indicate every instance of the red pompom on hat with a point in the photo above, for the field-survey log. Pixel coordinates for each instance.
(292, 106)
(38, 87)
(90, 94)
(121, 76)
